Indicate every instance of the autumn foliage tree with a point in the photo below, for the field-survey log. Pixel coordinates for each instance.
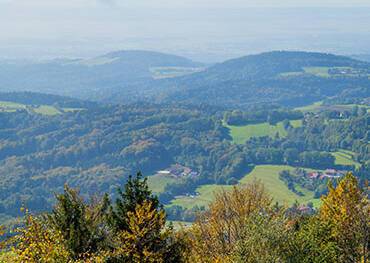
(216, 233)
(346, 208)
(37, 242)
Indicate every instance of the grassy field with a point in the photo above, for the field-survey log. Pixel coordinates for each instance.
(318, 71)
(267, 174)
(46, 110)
(310, 108)
(8, 106)
(205, 196)
(241, 134)
(157, 183)
(343, 157)
(324, 72)
(171, 72)
(318, 106)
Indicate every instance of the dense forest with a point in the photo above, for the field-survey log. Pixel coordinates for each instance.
(96, 148)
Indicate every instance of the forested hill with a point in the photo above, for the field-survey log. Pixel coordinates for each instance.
(287, 78)
(96, 148)
(270, 64)
(89, 78)
(280, 77)
(32, 98)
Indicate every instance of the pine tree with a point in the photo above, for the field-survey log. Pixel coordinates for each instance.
(135, 192)
(79, 224)
(139, 224)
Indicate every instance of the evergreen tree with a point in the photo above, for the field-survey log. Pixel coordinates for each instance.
(79, 224)
(135, 192)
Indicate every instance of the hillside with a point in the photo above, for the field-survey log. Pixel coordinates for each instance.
(281, 77)
(90, 78)
(285, 78)
(44, 144)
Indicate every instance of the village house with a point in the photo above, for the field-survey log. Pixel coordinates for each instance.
(328, 173)
(178, 170)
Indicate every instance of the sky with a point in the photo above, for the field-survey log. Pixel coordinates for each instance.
(208, 30)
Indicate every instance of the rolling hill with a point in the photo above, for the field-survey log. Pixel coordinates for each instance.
(280, 77)
(285, 78)
(90, 78)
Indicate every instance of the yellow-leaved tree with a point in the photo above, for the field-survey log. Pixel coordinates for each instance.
(146, 239)
(36, 242)
(346, 208)
(216, 233)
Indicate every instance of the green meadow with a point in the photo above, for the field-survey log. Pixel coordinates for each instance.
(46, 110)
(158, 182)
(241, 134)
(318, 71)
(343, 157)
(318, 106)
(267, 174)
(8, 106)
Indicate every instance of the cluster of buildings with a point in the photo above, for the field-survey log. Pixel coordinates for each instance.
(328, 173)
(178, 170)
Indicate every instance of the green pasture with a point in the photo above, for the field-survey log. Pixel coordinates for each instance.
(158, 182)
(241, 134)
(267, 174)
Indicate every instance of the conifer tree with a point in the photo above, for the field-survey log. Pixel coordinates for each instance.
(79, 224)
(135, 192)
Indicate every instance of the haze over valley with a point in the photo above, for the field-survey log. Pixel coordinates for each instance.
(184, 131)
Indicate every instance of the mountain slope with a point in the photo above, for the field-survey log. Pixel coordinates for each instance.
(287, 78)
(87, 78)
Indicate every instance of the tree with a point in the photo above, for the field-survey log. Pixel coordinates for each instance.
(266, 238)
(138, 220)
(313, 242)
(146, 239)
(217, 232)
(347, 211)
(136, 192)
(80, 225)
(36, 242)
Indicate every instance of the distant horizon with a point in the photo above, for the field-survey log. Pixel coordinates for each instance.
(204, 32)
(48, 59)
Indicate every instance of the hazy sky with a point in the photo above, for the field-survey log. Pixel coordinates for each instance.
(202, 29)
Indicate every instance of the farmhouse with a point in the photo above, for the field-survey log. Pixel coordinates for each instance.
(313, 175)
(178, 170)
(328, 173)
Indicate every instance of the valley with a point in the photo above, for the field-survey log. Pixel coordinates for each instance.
(190, 151)
(184, 131)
